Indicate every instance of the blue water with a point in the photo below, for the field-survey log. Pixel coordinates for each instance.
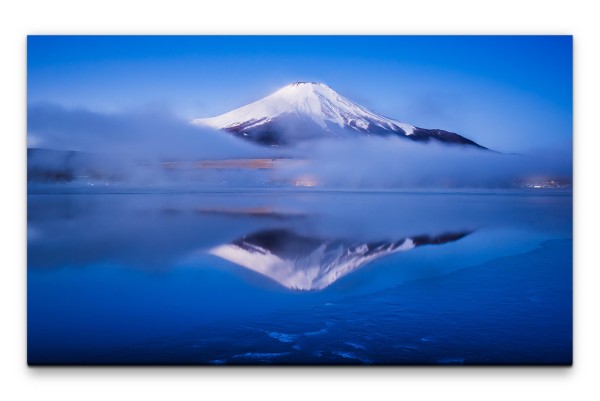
(125, 276)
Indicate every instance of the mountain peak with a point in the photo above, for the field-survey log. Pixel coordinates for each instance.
(311, 110)
(299, 83)
(309, 101)
(303, 88)
(308, 86)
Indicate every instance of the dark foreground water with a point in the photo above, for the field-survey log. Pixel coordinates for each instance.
(299, 277)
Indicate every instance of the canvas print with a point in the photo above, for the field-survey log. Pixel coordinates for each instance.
(299, 200)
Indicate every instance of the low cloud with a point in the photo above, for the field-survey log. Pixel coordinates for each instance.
(364, 162)
(142, 134)
(373, 162)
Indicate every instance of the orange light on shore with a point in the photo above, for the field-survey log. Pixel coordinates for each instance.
(306, 181)
(250, 164)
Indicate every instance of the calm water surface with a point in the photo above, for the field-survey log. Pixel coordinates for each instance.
(287, 277)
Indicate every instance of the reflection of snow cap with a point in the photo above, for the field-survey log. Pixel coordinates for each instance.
(303, 263)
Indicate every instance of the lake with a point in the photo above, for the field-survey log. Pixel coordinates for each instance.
(298, 276)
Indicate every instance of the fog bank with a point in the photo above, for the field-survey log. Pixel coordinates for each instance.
(136, 146)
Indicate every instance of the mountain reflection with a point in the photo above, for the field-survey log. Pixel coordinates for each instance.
(307, 263)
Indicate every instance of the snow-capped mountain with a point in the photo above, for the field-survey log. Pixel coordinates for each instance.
(309, 110)
(305, 263)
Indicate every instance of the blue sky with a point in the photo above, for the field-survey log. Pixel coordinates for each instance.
(510, 93)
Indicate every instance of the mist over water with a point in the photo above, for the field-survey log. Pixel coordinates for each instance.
(375, 162)
(129, 146)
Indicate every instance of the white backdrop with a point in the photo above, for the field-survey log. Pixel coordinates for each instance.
(19, 18)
